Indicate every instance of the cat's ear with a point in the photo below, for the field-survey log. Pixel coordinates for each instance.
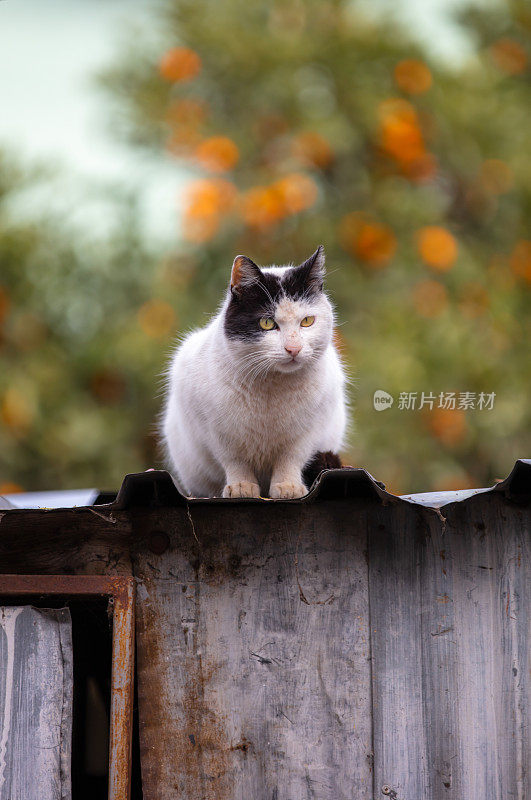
(244, 273)
(312, 271)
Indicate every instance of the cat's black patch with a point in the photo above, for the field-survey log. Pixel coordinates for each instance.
(307, 278)
(258, 299)
(247, 306)
(317, 464)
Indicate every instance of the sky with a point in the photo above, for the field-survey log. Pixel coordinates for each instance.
(53, 112)
(49, 51)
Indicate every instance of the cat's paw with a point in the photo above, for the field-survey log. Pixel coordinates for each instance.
(242, 489)
(288, 490)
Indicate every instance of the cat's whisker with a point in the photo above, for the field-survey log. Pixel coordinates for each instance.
(250, 356)
(253, 373)
(244, 371)
(261, 285)
(257, 371)
(251, 359)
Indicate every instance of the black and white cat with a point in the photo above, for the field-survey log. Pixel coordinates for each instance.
(255, 395)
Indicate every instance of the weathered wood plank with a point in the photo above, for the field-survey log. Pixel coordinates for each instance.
(65, 541)
(400, 751)
(449, 627)
(36, 689)
(490, 550)
(254, 672)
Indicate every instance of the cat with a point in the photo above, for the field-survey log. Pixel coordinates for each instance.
(258, 395)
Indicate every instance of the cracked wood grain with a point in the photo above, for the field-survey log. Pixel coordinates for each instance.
(231, 653)
(449, 606)
(36, 690)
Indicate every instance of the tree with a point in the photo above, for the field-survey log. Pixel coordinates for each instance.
(80, 330)
(304, 123)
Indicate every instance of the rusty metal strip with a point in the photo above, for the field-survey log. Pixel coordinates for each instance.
(123, 649)
(121, 592)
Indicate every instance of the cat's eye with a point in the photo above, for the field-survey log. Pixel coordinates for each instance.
(267, 324)
(307, 321)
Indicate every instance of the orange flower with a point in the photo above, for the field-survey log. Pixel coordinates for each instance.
(412, 76)
(447, 424)
(218, 154)
(156, 318)
(430, 298)
(207, 197)
(496, 176)
(521, 260)
(312, 149)
(509, 56)
(366, 239)
(298, 192)
(263, 206)
(179, 64)
(437, 247)
(400, 133)
(206, 202)
(375, 243)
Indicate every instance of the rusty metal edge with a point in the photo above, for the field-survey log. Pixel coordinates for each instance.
(121, 590)
(122, 688)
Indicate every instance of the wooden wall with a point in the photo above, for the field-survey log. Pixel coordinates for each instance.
(449, 628)
(352, 646)
(36, 689)
(348, 649)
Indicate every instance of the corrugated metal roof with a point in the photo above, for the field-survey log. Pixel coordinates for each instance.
(156, 488)
(65, 499)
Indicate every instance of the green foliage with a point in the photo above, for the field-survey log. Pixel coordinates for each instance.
(313, 90)
(299, 123)
(77, 376)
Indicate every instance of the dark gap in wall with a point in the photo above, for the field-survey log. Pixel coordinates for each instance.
(92, 645)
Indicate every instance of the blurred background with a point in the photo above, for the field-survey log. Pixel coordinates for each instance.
(143, 145)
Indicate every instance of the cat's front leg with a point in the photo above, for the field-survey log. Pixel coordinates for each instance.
(240, 481)
(286, 480)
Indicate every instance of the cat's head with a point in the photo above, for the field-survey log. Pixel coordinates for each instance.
(278, 318)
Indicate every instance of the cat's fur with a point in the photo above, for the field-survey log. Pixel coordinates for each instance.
(247, 409)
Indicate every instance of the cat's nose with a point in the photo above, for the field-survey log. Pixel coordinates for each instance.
(292, 349)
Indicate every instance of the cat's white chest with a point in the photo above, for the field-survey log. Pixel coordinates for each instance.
(266, 420)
